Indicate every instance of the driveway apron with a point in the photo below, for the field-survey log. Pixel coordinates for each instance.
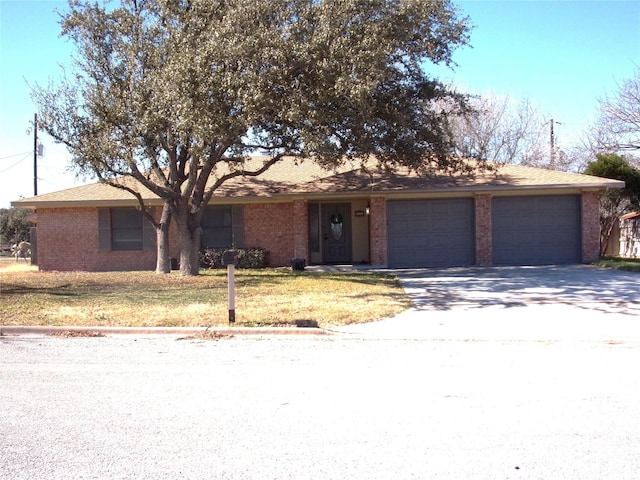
(546, 303)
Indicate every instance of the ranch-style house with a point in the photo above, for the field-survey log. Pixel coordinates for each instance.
(515, 216)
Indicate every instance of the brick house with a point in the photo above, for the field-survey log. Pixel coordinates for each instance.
(517, 216)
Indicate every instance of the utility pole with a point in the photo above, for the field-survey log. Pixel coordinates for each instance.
(35, 154)
(551, 141)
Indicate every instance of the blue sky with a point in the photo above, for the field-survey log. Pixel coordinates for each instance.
(561, 55)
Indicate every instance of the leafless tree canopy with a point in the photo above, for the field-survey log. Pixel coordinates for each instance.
(618, 126)
(506, 131)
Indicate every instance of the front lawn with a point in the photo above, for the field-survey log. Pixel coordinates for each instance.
(275, 297)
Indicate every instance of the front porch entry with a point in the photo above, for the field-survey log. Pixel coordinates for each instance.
(338, 233)
(335, 229)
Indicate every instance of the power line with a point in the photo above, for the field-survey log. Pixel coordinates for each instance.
(14, 155)
(21, 160)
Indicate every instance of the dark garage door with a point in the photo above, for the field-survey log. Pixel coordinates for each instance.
(430, 233)
(536, 230)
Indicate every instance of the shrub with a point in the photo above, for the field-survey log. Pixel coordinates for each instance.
(247, 257)
(15, 225)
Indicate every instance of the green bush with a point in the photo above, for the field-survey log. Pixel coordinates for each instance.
(15, 225)
(247, 258)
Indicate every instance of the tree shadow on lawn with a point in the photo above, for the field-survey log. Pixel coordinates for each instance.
(581, 286)
(20, 289)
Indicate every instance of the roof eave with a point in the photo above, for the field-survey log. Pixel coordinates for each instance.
(34, 202)
(83, 203)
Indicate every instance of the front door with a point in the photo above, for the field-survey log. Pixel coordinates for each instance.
(336, 233)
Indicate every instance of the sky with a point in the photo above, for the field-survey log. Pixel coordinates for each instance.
(561, 55)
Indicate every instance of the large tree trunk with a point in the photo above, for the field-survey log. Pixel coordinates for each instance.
(163, 262)
(190, 239)
(189, 251)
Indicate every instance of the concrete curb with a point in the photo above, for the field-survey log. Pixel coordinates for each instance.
(14, 330)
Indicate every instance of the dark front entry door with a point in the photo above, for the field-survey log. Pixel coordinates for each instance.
(336, 233)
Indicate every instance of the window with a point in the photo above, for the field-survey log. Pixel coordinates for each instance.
(217, 227)
(126, 229)
(337, 222)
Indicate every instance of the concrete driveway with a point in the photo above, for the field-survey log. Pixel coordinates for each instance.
(575, 302)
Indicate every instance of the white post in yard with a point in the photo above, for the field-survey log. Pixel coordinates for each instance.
(229, 258)
(231, 280)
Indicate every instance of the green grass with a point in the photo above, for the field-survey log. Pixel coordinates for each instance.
(274, 297)
(618, 263)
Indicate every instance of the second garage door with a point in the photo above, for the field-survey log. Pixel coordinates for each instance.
(536, 230)
(431, 233)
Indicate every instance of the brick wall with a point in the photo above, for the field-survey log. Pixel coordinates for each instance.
(484, 235)
(301, 230)
(271, 226)
(68, 237)
(590, 226)
(378, 230)
(68, 241)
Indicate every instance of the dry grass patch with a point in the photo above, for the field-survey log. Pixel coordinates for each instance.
(76, 333)
(207, 335)
(263, 297)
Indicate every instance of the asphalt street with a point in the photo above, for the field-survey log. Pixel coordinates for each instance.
(325, 407)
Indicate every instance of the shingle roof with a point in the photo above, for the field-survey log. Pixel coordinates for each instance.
(305, 177)
(507, 177)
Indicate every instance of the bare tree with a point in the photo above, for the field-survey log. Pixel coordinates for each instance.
(501, 130)
(617, 129)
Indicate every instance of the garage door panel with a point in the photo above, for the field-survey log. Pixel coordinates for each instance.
(536, 230)
(404, 227)
(431, 233)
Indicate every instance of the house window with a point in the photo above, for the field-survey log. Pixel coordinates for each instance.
(126, 229)
(217, 227)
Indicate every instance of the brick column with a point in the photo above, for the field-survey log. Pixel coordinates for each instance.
(301, 230)
(378, 230)
(590, 226)
(484, 232)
